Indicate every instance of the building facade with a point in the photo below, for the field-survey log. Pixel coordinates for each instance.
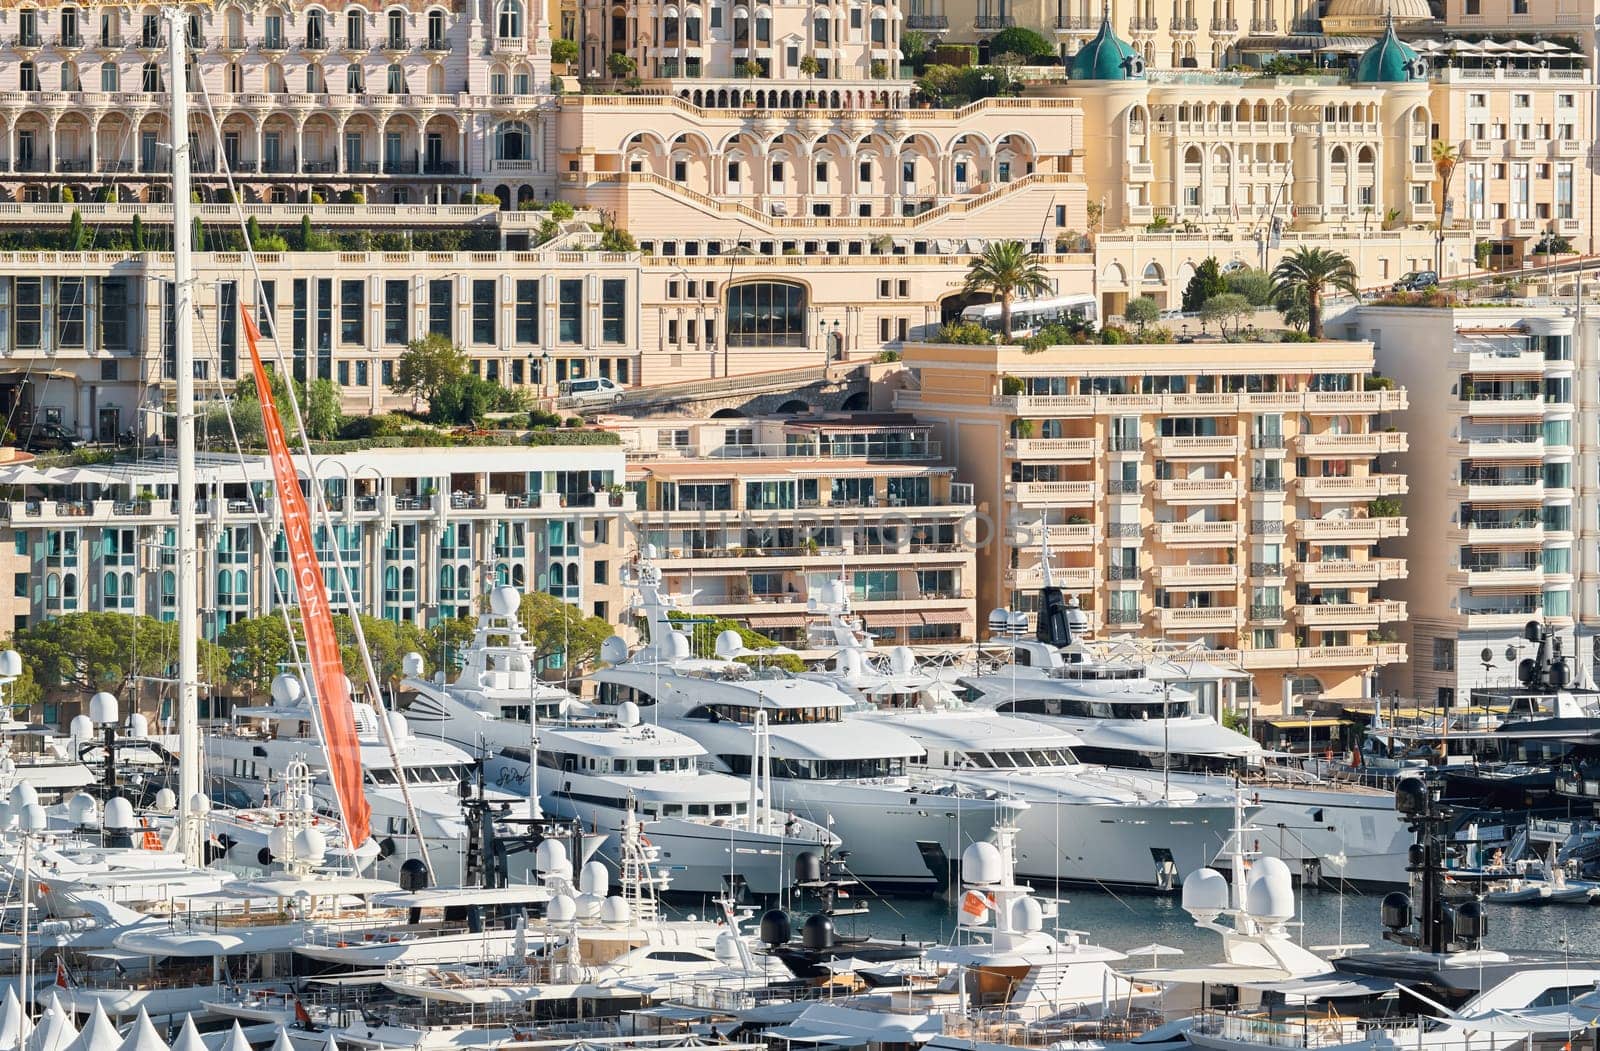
(1497, 466)
(1247, 504)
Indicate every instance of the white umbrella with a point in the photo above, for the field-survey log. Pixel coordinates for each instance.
(1155, 950)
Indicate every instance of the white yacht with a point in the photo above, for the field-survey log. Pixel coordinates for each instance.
(788, 735)
(1125, 717)
(712, 833)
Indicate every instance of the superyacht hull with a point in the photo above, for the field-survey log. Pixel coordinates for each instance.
(1143, 845)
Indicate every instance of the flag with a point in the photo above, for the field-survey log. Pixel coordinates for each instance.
(335, 716)
(61, 974)
(975, 906)
(302, 1017)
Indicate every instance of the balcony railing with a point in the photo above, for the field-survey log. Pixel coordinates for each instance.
(1260, 611)
(993, 21)
(1077, 23)
(1124, 573)
(69, 40)
(938, 23)
(1263, 25)
(1259, 484)
(1124, 486)
(1224, 25)
(1266, 569)
(1123, 616)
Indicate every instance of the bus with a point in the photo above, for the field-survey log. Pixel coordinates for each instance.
(1030, 315)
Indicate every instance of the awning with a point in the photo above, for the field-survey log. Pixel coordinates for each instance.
(774, 620)
(894, 620)
(945, 616)
(1289, 722)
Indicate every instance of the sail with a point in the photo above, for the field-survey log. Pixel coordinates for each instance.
(334, 712)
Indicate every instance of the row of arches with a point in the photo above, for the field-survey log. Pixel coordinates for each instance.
(853, 99)
(1019, 144)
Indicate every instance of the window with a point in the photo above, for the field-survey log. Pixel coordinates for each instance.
(397, 80)
(436, 31)
(527, 311)
(352, 309)
(512, 141)
(569, 327)
(483, 311)
(29, 77)
(29, 323)
(613, 304)
(1444, 654)
(354, 81)
(114, 313)
(108, 77)
(69, 312)
(766, 314)
(439, 308)
(508, 19)
(355, 30)
(396, 308)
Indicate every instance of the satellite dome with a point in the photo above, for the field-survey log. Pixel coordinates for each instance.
(166, 801)
(1205, 893)
(82, 809)
(310, 845)
(594, 879)
(562, 909)
(286, 690)
(902, 661)
(505, 601)
(615, 911)
(412, 665)
(279, 842)
(589, 906)
(119, 813)
(550, 858)
(398, 729)
(729, 644)
(678, 646)
(627, 714)
(138, 726)
(727, 948)
(10, 664)
(1270, 893)
(24, 795)
(614, 650)
(103, 709)
(1026, 915)
(981, 863)
(33, 818)
(200, 803)
(81, 727)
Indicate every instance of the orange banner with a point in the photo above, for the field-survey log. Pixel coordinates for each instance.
(334, 711)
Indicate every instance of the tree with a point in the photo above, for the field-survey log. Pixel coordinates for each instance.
(1229, 306)
(913, 45)
(427, 365)
(1021, 41)
(1206, 283)
(258, 648)
(1313, 270)
(809, 66)
(963, 333)
(1292, 305)
(306, 238)
(92, 651)
(1006, 269)
(620, 65)
(703, 641)
(561, 635)
(1254, 285)
(1445, 159)
(564, 51)
(751, 69)
(320, 406)
(388, 642)
(1142, 311)
(137, 234)
(446, 640)
(77, 239)
(465, 399)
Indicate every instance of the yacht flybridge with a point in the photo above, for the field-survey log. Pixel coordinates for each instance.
(599, 767)
(787, 735)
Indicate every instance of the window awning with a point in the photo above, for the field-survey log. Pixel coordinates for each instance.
(945, 616)
(894, 620)
(774, 620)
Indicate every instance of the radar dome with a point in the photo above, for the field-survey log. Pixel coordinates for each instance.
(589, 906)
(103, 709)
(627, 714)
(727, 949)
(138, 726)
(902, 661)
(594, 879)
(550, 857)
(397, 726)
(286, 690)
(82, 809)
(615, 911)
(81, 727)
(1019, 621)
(981, 863)
(10, 664)
(310, 845)
(1205, 893)
(200, 803)
(999, 620)
(1270, 892)
(850, 663)
(278, 842)
(835, 592)
(412, 664)
(729, 644)
(24, 795)
(562, 909)
(677, 646)
(649, 551)
(614, 650)
(119, 813)
(166, 801)
(33, 818)
(504, 601)
(1026, 915)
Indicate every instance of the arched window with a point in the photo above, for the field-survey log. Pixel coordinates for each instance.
(508, 19)
(235, 78)
(316, 31)
(109, 80)
(150, 77)
(396, 20)
(1153, 274)
(436, 80)
(277, 83)
(497, 80)
(513, 142)
(355, 28)
(396, 80)
(109, 589)
(767, 314)
(436, 29)
(315, 85)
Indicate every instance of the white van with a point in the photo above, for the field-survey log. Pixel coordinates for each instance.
(597, 388)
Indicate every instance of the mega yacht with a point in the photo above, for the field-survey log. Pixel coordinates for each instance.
(1126, 717)
(788, 735)
(712, 833)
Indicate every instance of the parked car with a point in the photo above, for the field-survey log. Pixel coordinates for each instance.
(597, 388)
(49, 437)
(1416, 281)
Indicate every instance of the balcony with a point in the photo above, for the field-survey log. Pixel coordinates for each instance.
(1198, 490)
(1503, 490)
(1324, 656)
(1263, 25)
(1349, 571)
(1054, 494)
(1199, 618)
(927, 23)
(1506, 446)
(1210, 447)
(1343, 445)
(1224, 25)
(987, 21)
(1031, 578)
(1143, 25)
(1367, 488)
(1522, 147)
(1072, 536)
(1077, 23)
(1349, 530)
(1185, 25)
(1505, 575)
(1513, 617)
(1194, 576)
(1350, 614)
(1519, 533)
(1263, 570)
(1179, 534)
(1052, 448)
(1356, 401)
(69, 41)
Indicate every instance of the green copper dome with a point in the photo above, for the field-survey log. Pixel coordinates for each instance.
(1390, 61)
(1106, 58)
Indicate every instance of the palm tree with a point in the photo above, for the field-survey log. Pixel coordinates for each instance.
(1006, 269)
(1445, 159)
(1307, 271)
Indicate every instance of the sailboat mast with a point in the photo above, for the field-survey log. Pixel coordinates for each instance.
(188, 596)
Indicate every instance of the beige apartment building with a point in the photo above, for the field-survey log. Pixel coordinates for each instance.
(754, 517)
(1502, 476)
(1237, 495)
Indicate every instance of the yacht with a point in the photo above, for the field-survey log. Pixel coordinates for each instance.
(1129, 715)
(787, 734)
(713, 834)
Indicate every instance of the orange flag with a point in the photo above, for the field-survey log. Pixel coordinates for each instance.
(334, 712)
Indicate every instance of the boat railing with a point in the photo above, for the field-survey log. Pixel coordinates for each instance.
(734, 994)
(1045, 1027)
(1316, 1031)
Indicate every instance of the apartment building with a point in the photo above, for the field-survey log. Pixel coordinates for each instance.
(756, 516)
(420, 534)
(1239, 496)
(1501, 530)
(405, 102)
(1523, 137)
